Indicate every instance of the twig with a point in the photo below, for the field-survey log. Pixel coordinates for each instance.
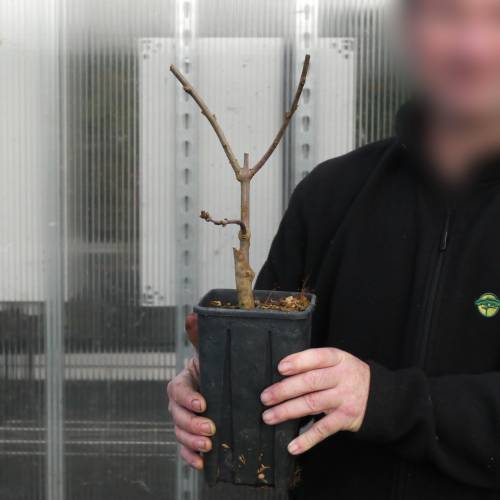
(223, 222)
(188, 88)
(286, 119)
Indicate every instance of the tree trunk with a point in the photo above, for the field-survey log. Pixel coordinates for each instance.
(243, 272)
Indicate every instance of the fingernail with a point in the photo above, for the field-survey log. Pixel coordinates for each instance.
(265, 397)
(208, 428)
(196, 405)
(268, 416)
(293, 448)
(285, 367)
(201, 445)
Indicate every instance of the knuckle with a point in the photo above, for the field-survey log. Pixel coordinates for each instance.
(194, 425)
(172, 387)
(312, 380)
(324, 356)
(321, 429)
(177, 433)
(312, 402)
(337, 355)
(185, 454)
(308, 439)
(173, 409)
(193, 368)
(281, 412)
(169, 389)
(327, 356)
(275, 391)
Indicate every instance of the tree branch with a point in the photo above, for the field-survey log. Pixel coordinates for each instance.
(224, 222)
(189, 89)
(286, 120)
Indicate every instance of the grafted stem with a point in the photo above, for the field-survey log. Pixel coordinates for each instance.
(243, 271)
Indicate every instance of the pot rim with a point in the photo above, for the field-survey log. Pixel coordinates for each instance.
(255, 313)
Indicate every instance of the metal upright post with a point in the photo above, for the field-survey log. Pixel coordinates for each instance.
(52, 85)
(186, 195)
(306, 34)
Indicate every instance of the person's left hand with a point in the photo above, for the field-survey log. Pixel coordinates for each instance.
(319, 381)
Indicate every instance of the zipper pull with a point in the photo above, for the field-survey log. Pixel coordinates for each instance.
(446, 232)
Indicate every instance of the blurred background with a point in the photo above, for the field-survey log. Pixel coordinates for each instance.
(104, 167)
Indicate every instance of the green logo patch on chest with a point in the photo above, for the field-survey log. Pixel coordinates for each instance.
(488, 305)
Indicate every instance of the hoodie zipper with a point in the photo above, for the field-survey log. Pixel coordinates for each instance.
(422, 355)
(431, 299)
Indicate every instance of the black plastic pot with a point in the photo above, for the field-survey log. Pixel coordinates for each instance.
(239, 354)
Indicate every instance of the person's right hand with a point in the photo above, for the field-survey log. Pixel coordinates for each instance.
(185, 402)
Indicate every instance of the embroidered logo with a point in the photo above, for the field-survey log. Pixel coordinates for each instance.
(488, 305)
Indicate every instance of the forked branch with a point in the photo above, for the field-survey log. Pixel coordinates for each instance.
(286, 120)
(223, 222)
(189, 89)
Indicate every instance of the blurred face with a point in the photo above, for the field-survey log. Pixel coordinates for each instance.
(454, 49)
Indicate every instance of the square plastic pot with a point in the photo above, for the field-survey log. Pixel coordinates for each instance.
(239, 354)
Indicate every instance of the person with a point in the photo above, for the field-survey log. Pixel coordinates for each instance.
(400, 240)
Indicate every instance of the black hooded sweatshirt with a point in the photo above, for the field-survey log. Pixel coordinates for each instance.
(406, 279)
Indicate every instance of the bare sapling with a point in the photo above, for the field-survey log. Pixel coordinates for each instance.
(244, 174)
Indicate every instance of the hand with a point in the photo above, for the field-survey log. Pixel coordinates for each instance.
(319, 381)
(192, 431)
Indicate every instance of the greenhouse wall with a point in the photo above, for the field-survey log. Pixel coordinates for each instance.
(104, 168)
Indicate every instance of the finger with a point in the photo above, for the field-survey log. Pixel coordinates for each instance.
(313, 403)
(327, 426)
(298, 385)
(181, 390)
(312, 359)
(191, 423)
(193, 367)
(191, 458)
(192, 329)
(192, 441)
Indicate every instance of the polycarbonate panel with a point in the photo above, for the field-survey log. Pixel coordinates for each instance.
(379, 85)
(23, 148)
(157, 96)
(104, 166)
(31, 458)
(334, 113)
(119, 351)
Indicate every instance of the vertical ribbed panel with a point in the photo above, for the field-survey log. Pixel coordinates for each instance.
(119, 351)
(90, 194)
(31, 263)
(157, 171)
(335, 97)
(24, 151)
(378, 88)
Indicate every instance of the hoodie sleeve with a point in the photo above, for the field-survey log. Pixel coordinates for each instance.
(451, 421)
